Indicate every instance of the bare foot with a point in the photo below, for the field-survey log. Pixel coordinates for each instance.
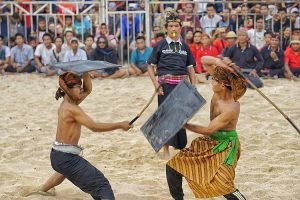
(164, 155)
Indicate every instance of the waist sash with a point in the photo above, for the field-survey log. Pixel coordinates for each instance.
(224, 137)
(67, 148)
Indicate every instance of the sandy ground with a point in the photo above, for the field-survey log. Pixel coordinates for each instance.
(268, 167)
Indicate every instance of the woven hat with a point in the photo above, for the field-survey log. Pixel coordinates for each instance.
(231, 34)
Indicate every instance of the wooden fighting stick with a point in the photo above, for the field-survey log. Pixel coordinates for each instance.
(145, 107)
(236, 69)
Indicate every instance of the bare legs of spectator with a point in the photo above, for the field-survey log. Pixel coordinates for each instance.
(136, 72)
(118, 74)
(2, 68)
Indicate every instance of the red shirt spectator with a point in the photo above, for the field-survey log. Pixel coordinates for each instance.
(220, 44)
(292, 58)
(194, 49)
(209, 51)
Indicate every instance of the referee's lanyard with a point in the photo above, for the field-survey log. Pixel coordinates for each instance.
(175, 48)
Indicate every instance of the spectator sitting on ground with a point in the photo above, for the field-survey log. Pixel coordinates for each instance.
(12, 42)
(156, 30)
(206, 49)
(32, 41)
(139, 56)
(88, 48)
(67, 45)
(267, 38)
(247, 57)
(292, 61)
(4, 56)
(160, 36)
(220, 43)
(105, 53)
(42, 54)
(273, 57)
(285, 40)
(187, 35)
(195, 46)
(56, 56)
(75, 53)
(231, 40)
(21, 56)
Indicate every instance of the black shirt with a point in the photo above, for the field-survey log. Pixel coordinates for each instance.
(173, 58)
(268, 60)
(249, 58)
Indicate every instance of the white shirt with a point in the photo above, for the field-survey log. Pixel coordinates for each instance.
(43, 52)
(6, 50)
(209, 24)
(257, 38)
(70, 56)
(201, 7)
(297, 23)
(56, 57)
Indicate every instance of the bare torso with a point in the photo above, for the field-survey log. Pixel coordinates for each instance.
(219, 106)
(68, 130)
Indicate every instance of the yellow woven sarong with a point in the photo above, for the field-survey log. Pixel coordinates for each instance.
(204, 170)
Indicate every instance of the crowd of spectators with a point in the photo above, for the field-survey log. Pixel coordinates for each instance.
(262, 38)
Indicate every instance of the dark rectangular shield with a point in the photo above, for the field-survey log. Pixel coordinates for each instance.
(82, 66)
(181, 104)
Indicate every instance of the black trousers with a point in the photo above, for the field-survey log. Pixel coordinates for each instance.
(179, 141)
(82, 174)
(174, 180)
(27, 69)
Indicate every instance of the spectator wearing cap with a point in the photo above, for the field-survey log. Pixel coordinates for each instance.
(4, 55)
(209, 22)
(247, 57)
(220, 43)
(292, 60)
(42, 54)
(231, 40)
(273, 58)
(256, 35)
(206, 49)
(21, 56)
(75, 53)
